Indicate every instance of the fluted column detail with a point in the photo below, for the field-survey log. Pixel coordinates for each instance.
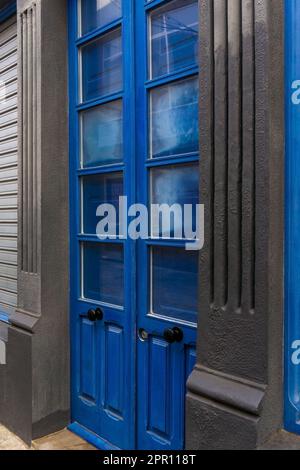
(241, 269)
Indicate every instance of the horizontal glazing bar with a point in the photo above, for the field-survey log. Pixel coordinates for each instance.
(106, 99)
(174, 160)
(101, 170)
(172, 77)
(150, 4)
(98, 32)
(95, 239)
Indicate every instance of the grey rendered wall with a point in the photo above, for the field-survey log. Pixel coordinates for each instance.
(235, 394)
(34, 398)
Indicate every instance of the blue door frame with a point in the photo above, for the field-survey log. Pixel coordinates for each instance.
(292, 245)
(150, 360)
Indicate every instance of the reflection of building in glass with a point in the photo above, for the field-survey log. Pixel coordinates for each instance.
(174, 38)
(97, 13)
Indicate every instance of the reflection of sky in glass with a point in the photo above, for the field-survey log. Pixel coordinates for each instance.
(98, 13)
(174, 283)
(97, 190)
(174, 37)
(102, 66)
(102, 135)
(176, 185)
(174, 119)
(103, 267)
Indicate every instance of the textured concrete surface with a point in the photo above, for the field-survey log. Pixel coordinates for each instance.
(63, 440)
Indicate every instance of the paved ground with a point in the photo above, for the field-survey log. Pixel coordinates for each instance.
(282, 441)
(9, 441)
(63, 440)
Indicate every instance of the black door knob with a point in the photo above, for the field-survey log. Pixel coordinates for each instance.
(173, 335)
(95, 315)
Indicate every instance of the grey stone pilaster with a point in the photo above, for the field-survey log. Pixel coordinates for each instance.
(43, 287)
(235, 393)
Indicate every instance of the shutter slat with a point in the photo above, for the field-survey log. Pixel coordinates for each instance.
(8, 166)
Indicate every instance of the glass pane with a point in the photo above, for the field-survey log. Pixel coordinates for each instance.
(102, 66)
(174, 37)
(98, 13)
(97, 190)
(103, 273)
(174, 283)
(176, 184)
(102, 135)
(174, 119)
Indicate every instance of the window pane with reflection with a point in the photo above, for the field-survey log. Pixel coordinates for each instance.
(98, 13)
(174, 119)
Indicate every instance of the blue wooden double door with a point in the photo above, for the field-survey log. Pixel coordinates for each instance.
(134, 299)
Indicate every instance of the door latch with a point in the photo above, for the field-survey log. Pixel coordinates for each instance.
(173, 335)
(94, 315)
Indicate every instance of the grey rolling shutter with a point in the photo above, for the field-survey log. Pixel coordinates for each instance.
(8, 165)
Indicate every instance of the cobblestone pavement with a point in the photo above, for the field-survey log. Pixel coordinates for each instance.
(63, 440)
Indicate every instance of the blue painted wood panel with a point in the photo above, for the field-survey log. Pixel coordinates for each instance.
(88, 360)
(158, 387)
(114, 379)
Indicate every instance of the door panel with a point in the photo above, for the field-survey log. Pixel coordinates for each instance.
(103, 314)
(163, 369)
(114, 371)
(88, 360)
(134, 133)
(158, 387)
(168, 149)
